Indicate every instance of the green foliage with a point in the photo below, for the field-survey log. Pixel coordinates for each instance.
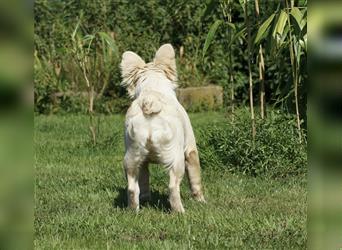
(121, 25)
(132, 26)
(276, 153)
(264, 28)
(211, 35)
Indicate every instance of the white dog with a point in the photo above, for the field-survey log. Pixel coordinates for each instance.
(157, 129)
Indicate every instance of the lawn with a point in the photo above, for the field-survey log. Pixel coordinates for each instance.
(80, 197)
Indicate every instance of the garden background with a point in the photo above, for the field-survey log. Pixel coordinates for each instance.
(252, 149)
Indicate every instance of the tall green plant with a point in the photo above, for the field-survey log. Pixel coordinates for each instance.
(227, 12)
(86, 50)
(287, 29)
(250, 79)
(234, 34)
(261, 67)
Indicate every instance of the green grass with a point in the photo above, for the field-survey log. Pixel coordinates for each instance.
(80, 198)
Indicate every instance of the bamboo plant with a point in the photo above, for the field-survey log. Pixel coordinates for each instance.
(235, 34)
(250, 79)
(287, 29)
(261, 67)
(90, 52)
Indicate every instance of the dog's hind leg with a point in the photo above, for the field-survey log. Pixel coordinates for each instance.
(194, 174)
(144, 182)
(192, 164)
(132, 173)
(176, 175)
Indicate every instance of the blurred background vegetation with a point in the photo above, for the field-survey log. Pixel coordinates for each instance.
(74, 39)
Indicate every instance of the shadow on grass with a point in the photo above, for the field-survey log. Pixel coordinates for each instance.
(158, 200)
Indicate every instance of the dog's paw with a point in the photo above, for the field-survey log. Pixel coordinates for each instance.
(199, 197)
(178, 209)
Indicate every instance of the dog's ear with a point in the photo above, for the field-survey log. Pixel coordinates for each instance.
(130, 65)
(165, 60)
(130, 61)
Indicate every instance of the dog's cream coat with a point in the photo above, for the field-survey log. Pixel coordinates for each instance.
(157, 129)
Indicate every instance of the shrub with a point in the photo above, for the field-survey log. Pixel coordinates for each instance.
(276, 153)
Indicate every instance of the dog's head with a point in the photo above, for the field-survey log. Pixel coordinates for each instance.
(134, 69)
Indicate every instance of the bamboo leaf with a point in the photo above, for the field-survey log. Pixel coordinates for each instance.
(280, 25)
(110, 41)
(242, 3)
(299, 53)
(298, 16)
(263, 29)
(297, 20)
(284, 35)
(210, 36)
(303, 43)
(237, 35)
(76, 29)
(88, 37)
(232, 26)
(77, 26)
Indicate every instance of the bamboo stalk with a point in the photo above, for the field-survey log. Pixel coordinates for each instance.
(294, 72)
(228, 15)
(82, 60)
(261, 68)
(90, 90)
(262, 82)
(250, 80)
(297, 107)
(231, 76)
(232, 95)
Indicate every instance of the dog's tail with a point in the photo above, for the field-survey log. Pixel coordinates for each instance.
(151, 104)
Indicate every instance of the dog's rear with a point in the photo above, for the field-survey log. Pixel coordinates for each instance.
(157, 128)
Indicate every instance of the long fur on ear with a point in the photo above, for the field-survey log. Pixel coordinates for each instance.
(130, 65)
(165, 60)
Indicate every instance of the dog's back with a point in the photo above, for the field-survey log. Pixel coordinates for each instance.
(154, 127)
